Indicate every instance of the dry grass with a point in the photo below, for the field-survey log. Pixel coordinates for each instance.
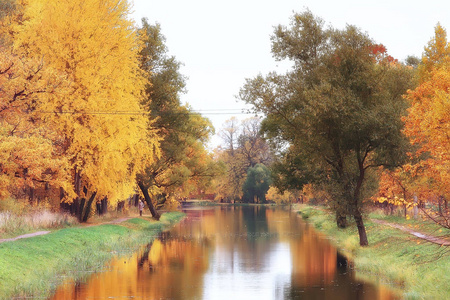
(18, 218)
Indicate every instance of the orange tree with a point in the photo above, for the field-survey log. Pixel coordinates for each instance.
(428, 121)
(395, 188)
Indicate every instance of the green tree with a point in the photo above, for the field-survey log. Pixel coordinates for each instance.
(339, 108)
(184, 161)
(243, 148)
(257, 184)
(290, 170)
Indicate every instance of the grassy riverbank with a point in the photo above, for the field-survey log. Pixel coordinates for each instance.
(415, 268)
(36, 266)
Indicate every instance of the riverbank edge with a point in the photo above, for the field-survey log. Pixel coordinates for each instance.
(413, 268)
(35, 267)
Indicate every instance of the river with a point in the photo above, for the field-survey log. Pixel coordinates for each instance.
(231, 253)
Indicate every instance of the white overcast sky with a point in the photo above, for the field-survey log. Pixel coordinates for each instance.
(221, 43)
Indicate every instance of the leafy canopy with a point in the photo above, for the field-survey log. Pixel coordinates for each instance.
(185, 163)
(339, 108)
(99, 117)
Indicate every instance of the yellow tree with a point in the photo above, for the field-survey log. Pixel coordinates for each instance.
(436, 54)
(28, 158)
(105, 133)
(428, 121)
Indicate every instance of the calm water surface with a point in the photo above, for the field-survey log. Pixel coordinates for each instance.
(231, 253)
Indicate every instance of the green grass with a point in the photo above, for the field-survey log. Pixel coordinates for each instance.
(36, 266)
(421, 224)
(415, 268)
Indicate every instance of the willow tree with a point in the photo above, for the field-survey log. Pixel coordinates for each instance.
(103, 129)
(339, 108)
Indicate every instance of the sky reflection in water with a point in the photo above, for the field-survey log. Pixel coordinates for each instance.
(231, 253)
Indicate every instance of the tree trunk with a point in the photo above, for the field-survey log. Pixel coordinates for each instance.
(31, 195)
(98, 206)
(120, 206)
(147, 198)
(104, 205)
(77, 182)
(341, 220)
(81, 209)
(361, 228)
(416, 208)
(74, 207)
(62, 193)
(88, 207)
(341, 214)
(356, 211)
(78, 202)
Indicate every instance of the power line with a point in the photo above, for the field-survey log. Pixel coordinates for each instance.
(203, 112)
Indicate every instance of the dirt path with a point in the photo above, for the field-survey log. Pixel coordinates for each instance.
(24, 236)
(117, 221)
(37, 233)
(430, 238)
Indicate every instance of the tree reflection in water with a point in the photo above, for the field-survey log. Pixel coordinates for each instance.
(231, 253)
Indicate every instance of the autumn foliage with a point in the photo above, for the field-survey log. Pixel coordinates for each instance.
(29, 156)
(70, 100)
(89, 107)
(427, 175)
